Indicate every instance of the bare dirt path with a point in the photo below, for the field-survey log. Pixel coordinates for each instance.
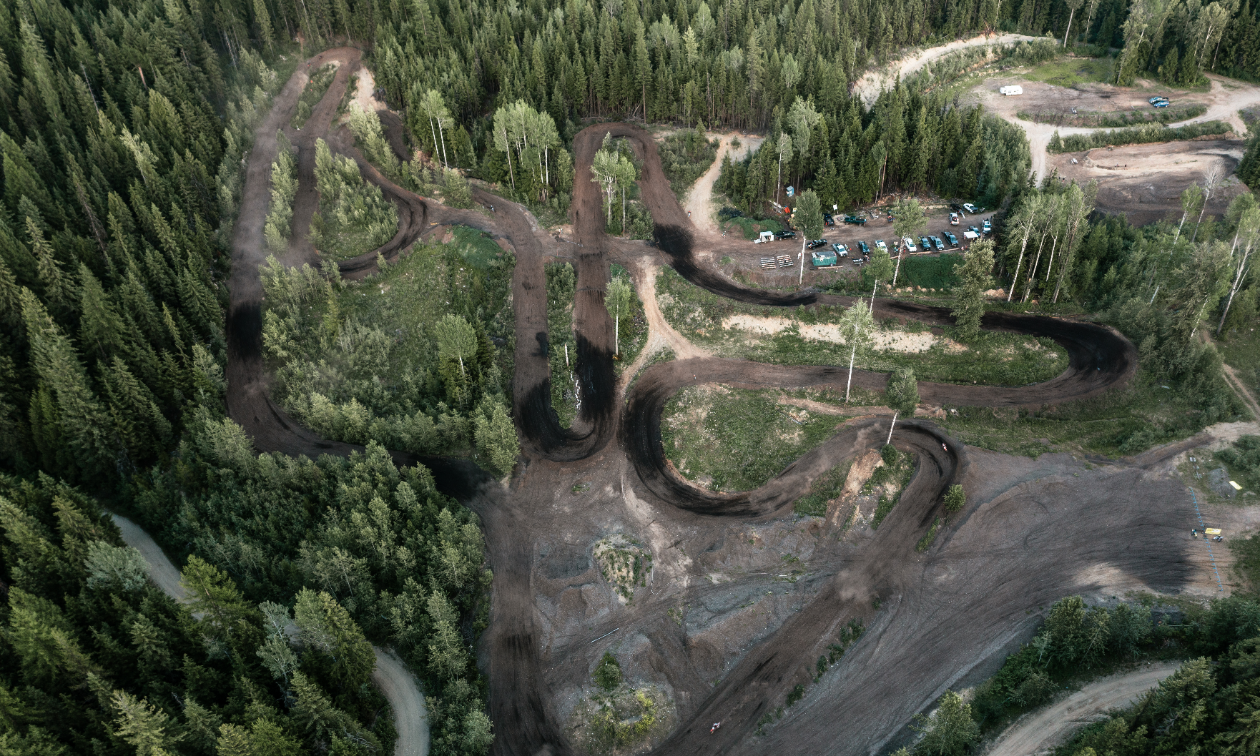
(1042, 730)
(875, 81)
(699, 204)
(411, 718)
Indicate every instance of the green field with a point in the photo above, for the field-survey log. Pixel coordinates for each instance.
(732, 440)
(1068, 72)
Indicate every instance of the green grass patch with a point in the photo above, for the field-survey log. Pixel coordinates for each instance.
(748, 227)
(925, 542)
(1069, 72)
(1123, 421)
(826, 487)
(315, 89)
(936, 272)
(731, 440)
(1002, 359)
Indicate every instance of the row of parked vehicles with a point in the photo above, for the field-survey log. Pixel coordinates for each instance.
(1159, 102)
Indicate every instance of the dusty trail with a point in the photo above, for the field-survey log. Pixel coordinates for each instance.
(948, 609)
(411, 718)
(870, 85)
(1050, 726)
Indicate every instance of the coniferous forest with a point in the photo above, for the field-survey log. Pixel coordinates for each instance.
(125, 127)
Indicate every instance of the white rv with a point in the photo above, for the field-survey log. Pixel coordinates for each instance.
(1013, 89)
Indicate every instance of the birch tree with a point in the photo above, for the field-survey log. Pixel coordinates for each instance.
(857, 328)
(1248, 228)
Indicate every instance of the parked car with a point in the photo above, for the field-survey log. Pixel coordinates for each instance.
(969, 235)
(953, 240)
(909, 244)
(937, 244)
(1157, 100)
(974, 230)
(953, 219)
(988, 227)
(864, 247)
(785, 234)
(828, 219)
(855, 220)
(1162, 104)
(926, 243)
(841, 250)
(816, 243)
(969, 208)
(879, 244)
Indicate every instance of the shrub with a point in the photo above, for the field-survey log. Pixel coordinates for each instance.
(608, 674)
(889, 454)
(955, 499)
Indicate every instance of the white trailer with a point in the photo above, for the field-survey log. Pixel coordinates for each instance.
(764, 237)
(1013, 89)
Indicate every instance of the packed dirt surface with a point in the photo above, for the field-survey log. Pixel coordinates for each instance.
(699, 204)
(411, 718)
(1144, 182)
(727, 629)
(874, 82)
(1040, 731)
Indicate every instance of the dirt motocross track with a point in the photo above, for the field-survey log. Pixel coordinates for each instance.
(1032, 531)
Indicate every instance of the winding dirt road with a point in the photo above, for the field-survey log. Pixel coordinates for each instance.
(933, 618)
(411, 719)
(1045, 729)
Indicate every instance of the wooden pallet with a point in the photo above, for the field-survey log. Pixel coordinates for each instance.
(767, 262)
(785, 261)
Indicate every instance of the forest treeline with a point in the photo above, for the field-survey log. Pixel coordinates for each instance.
(124, 131)
(908, 140)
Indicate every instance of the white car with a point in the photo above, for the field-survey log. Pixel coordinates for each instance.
(879, 244)
(969, 208)
(908, 243)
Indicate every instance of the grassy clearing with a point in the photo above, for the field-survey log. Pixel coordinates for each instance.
(732, 440)
(1120, 422)
(1068, 72)
(1246, 553)
(1242, 461)
(358, 361)
(925, 542)
(685, 156)
(315, 89)
(992, 358)
(936, 272)
(826, 487)
(1116, 118)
